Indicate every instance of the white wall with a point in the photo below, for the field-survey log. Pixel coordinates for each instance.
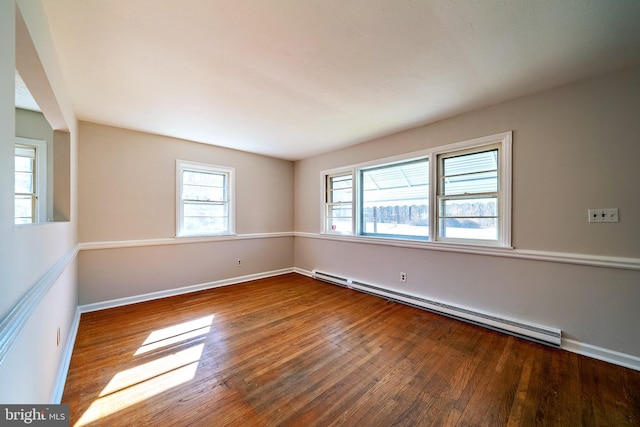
(127, 216)
(575, 148)
(40, 256)
(127, 188)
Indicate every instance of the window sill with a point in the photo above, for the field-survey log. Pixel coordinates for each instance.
(418, 243)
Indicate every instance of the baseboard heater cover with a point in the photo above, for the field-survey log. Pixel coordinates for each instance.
(533, 332)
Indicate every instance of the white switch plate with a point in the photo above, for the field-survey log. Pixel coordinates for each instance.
(603, 215)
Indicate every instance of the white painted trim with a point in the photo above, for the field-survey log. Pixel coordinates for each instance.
(181, 166)
(40, 178)
(604, 354)
(65, 361)
(559, 257)
(302, 272)
(117, 244)
(179, 291)
(506, 181)
(12, 324)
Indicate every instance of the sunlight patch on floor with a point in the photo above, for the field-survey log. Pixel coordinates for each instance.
(143, 381)
(174, 334)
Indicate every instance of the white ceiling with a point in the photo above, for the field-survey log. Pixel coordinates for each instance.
(294, 78)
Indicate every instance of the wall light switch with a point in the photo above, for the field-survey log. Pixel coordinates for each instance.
(603, 215)
(595, 215)
(610, 215)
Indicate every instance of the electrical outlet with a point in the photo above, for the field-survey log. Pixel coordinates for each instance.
(239, 262)
(403, 277)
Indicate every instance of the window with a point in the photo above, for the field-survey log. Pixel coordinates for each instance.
(30, 181)
(205, 199)
(395, 199)
(468, 195)
(339, 204)
(471, 194)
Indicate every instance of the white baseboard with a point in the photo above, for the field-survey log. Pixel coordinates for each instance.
(179, 291)
(63, 369)
(302, 271)
(604, 354)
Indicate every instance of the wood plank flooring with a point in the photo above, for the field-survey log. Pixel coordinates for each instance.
(293, 351)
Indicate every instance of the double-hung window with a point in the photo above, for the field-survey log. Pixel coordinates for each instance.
(469, 194)
(204, 199)
(469, 183)
(30, 181)
(339, 203)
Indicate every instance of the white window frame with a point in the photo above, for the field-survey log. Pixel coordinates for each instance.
(328, 204)
(40, 178)
(229, 172)
(502, 140)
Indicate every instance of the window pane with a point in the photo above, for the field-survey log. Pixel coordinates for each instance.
(469, 218)
(205, 225)
(483, 182)
(469, 228)
(395, 199)
(471, 163)
(470, 173)
(23, 209)
(205, 218)
(195, 209)
(195, 192)
(24, 182)
(478, 207)
(397, 220)
(204, 178)
(340, 189)
(339, 218)
(203, 186)
(339, 182)
(342, 195)
(23, 164)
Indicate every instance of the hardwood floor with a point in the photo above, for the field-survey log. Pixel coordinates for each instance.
(290, 350)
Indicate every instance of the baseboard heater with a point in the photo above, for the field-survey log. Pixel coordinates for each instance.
(537, 333)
